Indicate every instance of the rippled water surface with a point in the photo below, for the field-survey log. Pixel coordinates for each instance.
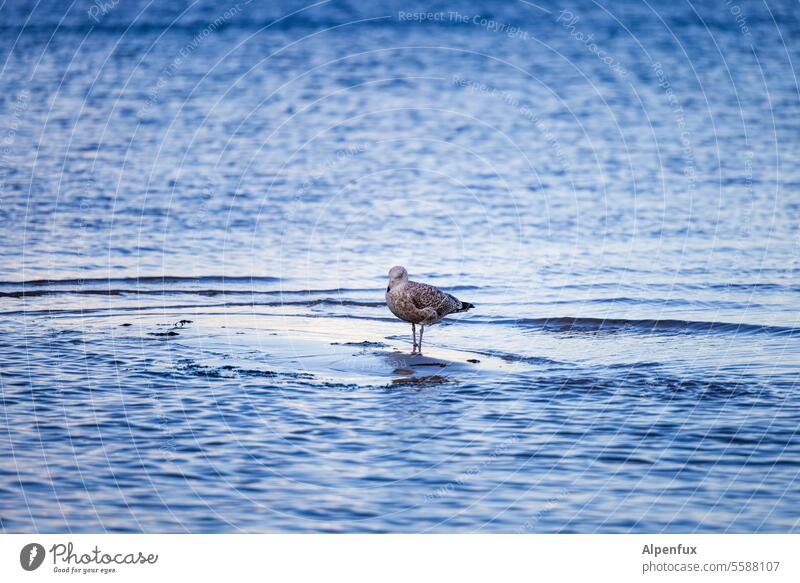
(200, 203)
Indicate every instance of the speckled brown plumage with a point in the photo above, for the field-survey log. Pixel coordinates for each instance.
(419, 303)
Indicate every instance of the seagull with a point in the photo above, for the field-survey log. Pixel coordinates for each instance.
(419, 303)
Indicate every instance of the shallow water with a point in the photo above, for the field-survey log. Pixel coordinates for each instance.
(192, 328)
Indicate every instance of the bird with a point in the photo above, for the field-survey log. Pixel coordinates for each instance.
(419, 303)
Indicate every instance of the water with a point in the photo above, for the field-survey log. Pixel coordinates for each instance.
(201, 203)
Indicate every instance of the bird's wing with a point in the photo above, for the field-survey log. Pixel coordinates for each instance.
(428, 296)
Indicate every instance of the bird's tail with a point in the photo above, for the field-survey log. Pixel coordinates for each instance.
(466, 306)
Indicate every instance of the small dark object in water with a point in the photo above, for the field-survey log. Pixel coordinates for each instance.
(403, 371)
(365, 343)
(126, 324)
(440, 364)
(429, 380)
(182, 323)
(168, 333)
(475, 360)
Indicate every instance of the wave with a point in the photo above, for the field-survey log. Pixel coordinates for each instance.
(568, 324)
(553, 324)
(162, 292)
(145, 280)
(187, 27)
(173, 285)
(672, 287)
(194, 307)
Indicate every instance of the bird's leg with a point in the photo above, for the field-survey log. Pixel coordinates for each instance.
(421, 330)
(414, 335)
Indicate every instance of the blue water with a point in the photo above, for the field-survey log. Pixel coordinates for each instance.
(200, 203)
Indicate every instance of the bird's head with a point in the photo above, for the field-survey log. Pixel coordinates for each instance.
(397, 274)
